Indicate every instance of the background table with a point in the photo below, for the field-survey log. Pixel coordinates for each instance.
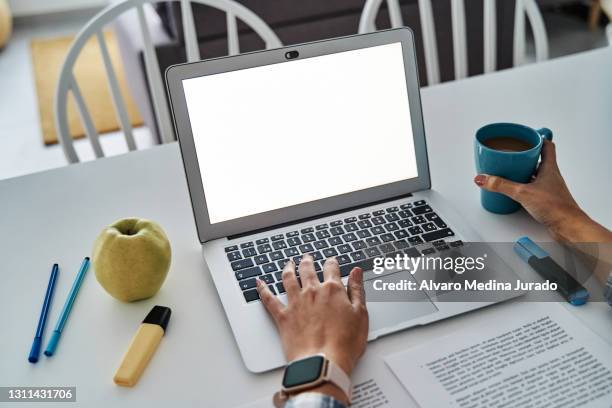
(55, 216)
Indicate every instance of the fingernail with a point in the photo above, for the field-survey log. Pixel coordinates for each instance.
(480, 179)
(258, 282)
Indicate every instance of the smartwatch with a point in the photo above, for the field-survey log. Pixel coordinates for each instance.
(312, 371)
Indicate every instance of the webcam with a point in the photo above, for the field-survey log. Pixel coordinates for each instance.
(292, 54)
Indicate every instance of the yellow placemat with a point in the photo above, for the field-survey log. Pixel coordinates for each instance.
(47, 58)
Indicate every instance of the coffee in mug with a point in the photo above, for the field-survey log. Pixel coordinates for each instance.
(508, 144)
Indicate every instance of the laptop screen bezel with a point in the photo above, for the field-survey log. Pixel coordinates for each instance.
(174, 80)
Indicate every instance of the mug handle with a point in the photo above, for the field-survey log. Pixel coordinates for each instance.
(546, 133)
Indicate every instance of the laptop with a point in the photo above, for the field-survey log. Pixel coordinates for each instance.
(315, 148)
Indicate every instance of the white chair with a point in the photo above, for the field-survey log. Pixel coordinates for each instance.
(523, 8)
(68, 84)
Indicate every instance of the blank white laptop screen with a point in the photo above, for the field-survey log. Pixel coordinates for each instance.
(279, 135)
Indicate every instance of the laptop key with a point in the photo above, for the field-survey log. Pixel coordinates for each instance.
(249, 252)
(320, 276)
(280, 288)
(261, 259)
(357, 245)
(323, 234)
(271, 287)
(262, 241)
(344, 248)
(436, 220)
(363, 233)
(294, 241)
(268, 278)
(401, 234)
(329, 252)
(247, 284)
(387, 248)
(392, 217)
(373, 241)
(289, 252)
(405, 223)
(421, 210)
(405, 214)
(231, 248)
(372, 252)
(335, 223)
(306, 248)
(392, 209)
(234, 256)
(419, 219)
(420, 202)
(415, 230)
(275, 256)
(457, 243)
(365, 216)
(248, 273)
(333, 241)
(246, 245)
(316, 256)
(391, 227)
(406, 206)
(378, 220)
(292, 234)
(428, 251)
(321, 227)
(251, 295)
(279, 245)
(277, 237)
(281, 264)
(307, 230)
(365, 265)
(415, 240)
(265, 248)
(439, 234)
(387, 237)
(358, 256)
(412, 252)
(350, 220)
(349, 237)
(321, 244)
(336, 231)
(278, 276)
(343, 259)
(401, 244)
(428, 227)
(378, 213)
(269, 268)
(364, 224)
(318, 266)
(241, 264)
(351, 227)
(377, 230)
(308, 238)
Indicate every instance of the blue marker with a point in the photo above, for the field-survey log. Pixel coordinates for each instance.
(543, 264)
(42, 320)
(57, 332)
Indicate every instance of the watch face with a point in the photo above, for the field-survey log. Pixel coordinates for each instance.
(303, 371)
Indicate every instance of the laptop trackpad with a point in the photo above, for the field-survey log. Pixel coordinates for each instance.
(388, 307)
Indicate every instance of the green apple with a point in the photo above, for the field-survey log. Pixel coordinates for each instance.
(131, 258)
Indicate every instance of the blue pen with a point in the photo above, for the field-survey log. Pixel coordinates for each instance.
(57, 332)
(543, 264)
(42, 320)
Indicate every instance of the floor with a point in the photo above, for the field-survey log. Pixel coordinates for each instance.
(21, 147)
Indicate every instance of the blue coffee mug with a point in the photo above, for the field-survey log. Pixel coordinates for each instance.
(516, 166)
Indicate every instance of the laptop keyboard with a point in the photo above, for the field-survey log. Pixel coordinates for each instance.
(354, 241)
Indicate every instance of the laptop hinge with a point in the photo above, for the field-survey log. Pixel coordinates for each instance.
(285, 224)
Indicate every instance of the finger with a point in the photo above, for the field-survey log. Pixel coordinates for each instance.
(355, 288)
(549, 154)
(290, 280)
(499, 185)
(307, 272)
(271, 302)
(331, 270)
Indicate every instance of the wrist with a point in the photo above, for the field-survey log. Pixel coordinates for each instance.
(570, 225)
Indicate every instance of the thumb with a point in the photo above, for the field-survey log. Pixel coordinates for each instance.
(499, 185)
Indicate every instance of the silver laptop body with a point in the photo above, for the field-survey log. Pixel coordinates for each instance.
(315, 148)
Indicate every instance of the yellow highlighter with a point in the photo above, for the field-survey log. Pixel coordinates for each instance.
(143, 346)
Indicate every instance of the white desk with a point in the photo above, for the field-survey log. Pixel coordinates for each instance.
(54, 217)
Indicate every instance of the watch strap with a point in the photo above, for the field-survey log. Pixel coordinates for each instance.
(339, 378)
